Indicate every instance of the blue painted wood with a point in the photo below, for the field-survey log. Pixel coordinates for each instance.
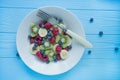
(102, 64)
(106, 43)
(73, 4)
(87, 69)
(103, 21)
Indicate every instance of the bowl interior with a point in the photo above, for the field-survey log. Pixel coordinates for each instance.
(53, 68)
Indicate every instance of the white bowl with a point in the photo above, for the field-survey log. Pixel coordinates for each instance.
(52, 68)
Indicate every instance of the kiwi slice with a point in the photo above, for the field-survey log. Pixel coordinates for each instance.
(33, 34)
(57, 38)
(41, 47)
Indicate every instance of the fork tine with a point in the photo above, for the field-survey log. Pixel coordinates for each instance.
(43, 15)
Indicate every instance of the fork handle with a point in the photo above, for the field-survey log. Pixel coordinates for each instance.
(80, 39)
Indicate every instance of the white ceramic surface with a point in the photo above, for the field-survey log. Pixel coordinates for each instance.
(32, 61)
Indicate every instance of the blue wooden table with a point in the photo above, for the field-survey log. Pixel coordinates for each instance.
(100, 63)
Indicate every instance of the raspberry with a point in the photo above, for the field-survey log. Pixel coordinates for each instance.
(38, 38)
(41, 23)
(31, 40)
(52, 40)
(66, 49)
(39, 42)
(55, 31)
(58, 49)
(58, 57)
(38, 54)
(48, 25)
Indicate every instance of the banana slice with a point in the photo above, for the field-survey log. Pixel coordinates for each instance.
(60, 30)
(33, 51)
(42, 32)
(64, 54)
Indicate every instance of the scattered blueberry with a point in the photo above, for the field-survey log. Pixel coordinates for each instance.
(89, 51)
(100, 33)
(17, 54)
(47, 61)
(116, 48)
(91, 20)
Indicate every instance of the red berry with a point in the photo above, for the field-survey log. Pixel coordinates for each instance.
(65, 33)
(52, 40)
(38, 38)
(41, 23)
(39, 55)
(55, 31)
(66, 49)
(58, 49)
(39, 42)
(48, 25)
(58, 57)
(31, 40)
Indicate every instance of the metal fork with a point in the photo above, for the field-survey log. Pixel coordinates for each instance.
(45, 16)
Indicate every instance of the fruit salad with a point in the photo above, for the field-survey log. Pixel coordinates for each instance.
(48, 42)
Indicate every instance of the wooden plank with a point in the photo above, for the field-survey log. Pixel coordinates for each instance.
(106, 21)
(86, 69)
(73, 4)
(103, 46)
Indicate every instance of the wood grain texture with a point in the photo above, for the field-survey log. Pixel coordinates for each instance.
(102, 64)
(87, 69)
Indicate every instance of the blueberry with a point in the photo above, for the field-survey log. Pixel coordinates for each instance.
(35, 44)
(60, 42)
(91, 20)
(70, 47)
(47, 61)
(100, 33)
(42, 51)
(42, 42)
(43, 55)
(35, 41)
(60, 20)
(55, 58)
(45, 37)
(34, 48)
(29, 36)
(48, 37)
